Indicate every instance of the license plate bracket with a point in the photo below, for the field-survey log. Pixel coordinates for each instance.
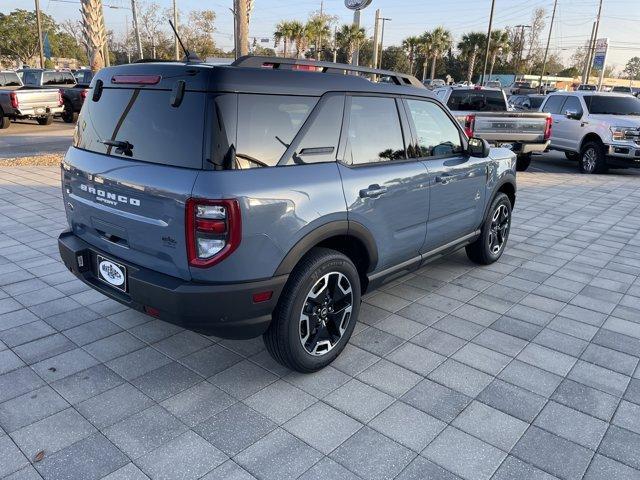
(112, 273)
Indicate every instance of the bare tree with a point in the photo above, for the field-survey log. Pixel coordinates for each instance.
(74, 29)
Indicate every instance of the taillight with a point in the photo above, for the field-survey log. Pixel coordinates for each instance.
(469, 125)
(214, 230)
(83, 93)
(13, 97)
(60, 99)
(547, 128)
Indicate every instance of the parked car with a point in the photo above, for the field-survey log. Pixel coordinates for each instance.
(434, 83)
(73, 93)
(484, 113)
(586, 87)
(621, 89)
(492, 84)
(520, 88)
(599, 130)
(526, 103)
(242, 200)
(18, 102)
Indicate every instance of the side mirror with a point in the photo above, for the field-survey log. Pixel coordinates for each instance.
(573, 114)
(478, 147)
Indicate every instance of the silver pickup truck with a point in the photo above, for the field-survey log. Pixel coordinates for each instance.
(483, 113)
(20, 102)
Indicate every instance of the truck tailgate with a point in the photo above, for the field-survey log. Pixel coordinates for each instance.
(35, 98)
(522, 127)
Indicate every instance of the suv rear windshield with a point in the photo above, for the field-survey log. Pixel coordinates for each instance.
(477, 101)
(155, 131)
(605, 105)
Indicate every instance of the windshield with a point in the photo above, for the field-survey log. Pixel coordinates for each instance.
(605, 105)
(477, 101)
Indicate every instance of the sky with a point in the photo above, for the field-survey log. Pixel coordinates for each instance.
(572, 27)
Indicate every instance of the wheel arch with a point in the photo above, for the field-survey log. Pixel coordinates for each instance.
(349, 238)
(506, 186)
(590, 137)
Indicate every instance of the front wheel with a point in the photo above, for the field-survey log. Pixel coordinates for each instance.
(491, 243)
(523, 162)
(592, 158)
(48, 120)
(316, 313)
(68, 115)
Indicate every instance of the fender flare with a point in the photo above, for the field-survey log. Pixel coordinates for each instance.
(323, 232)
(511, 181)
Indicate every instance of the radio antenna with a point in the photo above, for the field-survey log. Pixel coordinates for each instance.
(190, 57)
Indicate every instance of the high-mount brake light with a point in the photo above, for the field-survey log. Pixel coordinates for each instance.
(13, 97)
(136, 79)
(547, 128)
(469, 125)
(213, 230)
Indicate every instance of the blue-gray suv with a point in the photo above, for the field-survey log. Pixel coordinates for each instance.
(267, 196)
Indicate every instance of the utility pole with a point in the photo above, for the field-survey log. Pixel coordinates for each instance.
(546, 50)
(592, 47)
(335, 44)
(176, 47)
(382, 38)
(242, 30)
(355, 60)
(319, 39)
(486, 51)
(40, 47)
(376, 39)
(586, 70)
(134, 11)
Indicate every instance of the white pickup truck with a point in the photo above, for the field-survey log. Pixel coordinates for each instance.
(599, 130)
(20, 102)
(484, 113)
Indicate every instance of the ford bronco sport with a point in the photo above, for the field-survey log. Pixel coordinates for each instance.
(262, 198)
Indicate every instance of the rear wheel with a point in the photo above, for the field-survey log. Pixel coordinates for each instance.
(523, 162)
(592, 158)
(317, 312)
(5, 122)
(48, 120)
(495, 231)
(68, 115)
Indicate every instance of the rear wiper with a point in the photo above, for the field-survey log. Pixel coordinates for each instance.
(122, 146)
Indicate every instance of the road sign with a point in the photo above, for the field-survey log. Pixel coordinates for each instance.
(357, 4)
(600, 55)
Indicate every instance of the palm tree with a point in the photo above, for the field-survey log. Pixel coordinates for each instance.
(435, 44)
(284, 33)
(94, 32)
(411, 45)
(469, 47)
(300, 36)
(499, 45)
(349, 37)
(318, 30)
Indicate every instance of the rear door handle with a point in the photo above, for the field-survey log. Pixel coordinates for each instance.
(373, 191)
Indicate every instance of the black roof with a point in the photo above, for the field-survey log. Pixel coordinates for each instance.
(249, 79)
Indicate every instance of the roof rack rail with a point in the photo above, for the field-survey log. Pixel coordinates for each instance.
(251, 61)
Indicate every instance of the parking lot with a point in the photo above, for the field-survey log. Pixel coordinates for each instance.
(526, 369)
(26, 138)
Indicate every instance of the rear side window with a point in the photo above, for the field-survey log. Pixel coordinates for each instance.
(145, 120)
(375, 134)
(51, 78)
(554, 104)
(477, 101)
(267, 124)
(536, 102)
(67, 78)
(437, 134)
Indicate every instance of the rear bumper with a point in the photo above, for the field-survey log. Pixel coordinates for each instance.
(223, 310)
(31, 112)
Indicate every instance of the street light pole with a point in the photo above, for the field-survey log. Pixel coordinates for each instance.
(382, 38)
(592, 47)
(546, 50)
(39, 23)
(134, 11)
(486, 51)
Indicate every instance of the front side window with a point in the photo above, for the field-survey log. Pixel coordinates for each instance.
(374, 132)
(267, 124)
(437, 134)
(572, 104)
(554, 104)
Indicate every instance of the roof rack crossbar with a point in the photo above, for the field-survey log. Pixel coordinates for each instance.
(251, 61)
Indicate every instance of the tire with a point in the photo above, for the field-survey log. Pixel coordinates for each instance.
(68, 115)
(48, 120)
(573, 156)
(492, 241)
(523, 162)
(592, 158)
(5, 122)
(301, 309)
